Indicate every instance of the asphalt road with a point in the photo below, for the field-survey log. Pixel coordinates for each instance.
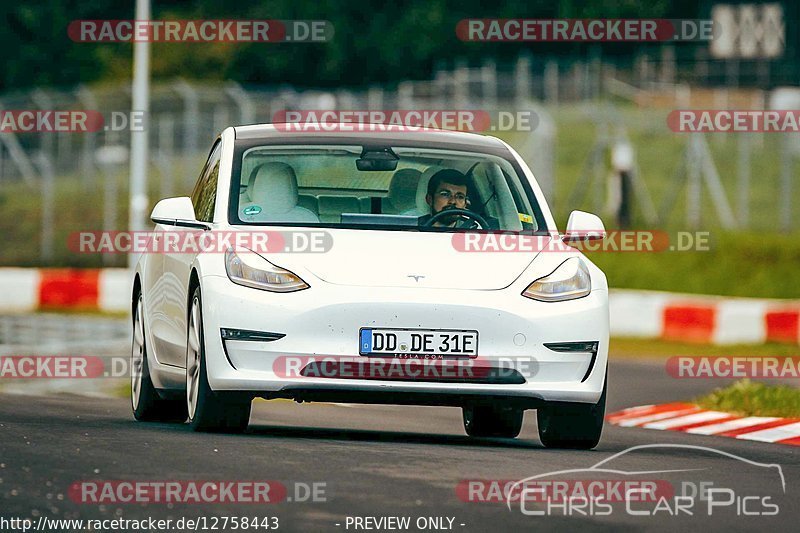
(376, 461)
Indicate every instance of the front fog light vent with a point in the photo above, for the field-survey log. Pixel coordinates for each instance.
(230, 334)
(577, 347)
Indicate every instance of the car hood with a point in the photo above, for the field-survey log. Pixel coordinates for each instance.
(373, 258)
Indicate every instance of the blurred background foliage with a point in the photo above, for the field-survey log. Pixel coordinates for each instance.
(374, 42)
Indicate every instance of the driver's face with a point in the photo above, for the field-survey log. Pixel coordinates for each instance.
(448, 196)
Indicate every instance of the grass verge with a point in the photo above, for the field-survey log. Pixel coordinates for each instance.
(628, 347)
(123, 390)
(737, 264)
(749, 398)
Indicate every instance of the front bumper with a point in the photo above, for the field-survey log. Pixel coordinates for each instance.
(325, 321)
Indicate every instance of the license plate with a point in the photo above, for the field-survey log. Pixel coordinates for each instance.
(418, 342)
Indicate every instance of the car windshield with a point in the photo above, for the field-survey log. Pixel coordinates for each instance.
(404, 188)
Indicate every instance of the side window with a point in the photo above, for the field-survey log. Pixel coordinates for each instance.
(205, 192)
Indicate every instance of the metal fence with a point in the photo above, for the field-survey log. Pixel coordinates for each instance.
(616, 105)
(185, 116)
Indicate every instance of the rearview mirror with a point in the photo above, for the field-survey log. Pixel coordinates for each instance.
(377, 159)
(177, 211)
(584, 227)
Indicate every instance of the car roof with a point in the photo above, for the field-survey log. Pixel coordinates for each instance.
(443, 138)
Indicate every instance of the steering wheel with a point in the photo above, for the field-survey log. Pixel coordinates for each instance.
(464, 214)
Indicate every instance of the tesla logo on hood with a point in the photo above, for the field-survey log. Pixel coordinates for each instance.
(416, 278)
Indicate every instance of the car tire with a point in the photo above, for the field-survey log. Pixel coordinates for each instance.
(147, 404)
(208, 410)
(574, 426)
(489, 421)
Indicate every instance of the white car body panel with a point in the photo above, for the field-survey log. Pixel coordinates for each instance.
(377, 290)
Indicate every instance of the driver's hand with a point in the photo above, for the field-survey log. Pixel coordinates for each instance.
(465, 223)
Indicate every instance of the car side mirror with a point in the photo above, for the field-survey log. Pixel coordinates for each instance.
(177, 211)
(584, 227)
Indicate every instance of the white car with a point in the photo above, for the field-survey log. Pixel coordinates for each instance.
(420, 287)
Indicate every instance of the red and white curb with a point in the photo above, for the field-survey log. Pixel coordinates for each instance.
(703, 319)
(690, 418)
(32, 289)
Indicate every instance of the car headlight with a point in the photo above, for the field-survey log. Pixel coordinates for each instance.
(568, 281)
(247, 268)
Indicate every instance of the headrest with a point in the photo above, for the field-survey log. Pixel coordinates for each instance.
(402, 188)
(274, 187)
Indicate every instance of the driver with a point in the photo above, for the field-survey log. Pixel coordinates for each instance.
(447, 189)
